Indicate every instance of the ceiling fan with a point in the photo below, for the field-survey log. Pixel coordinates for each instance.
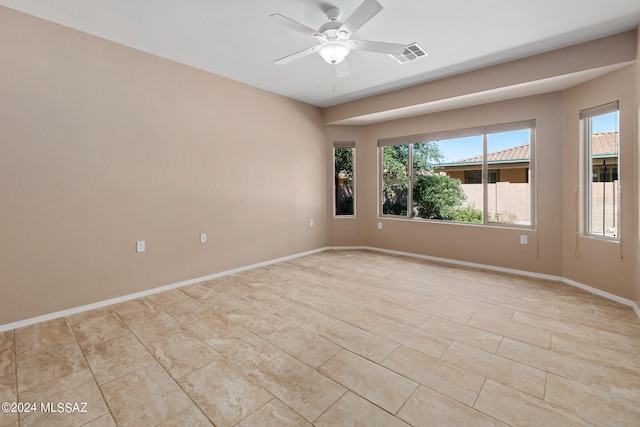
(335, 36)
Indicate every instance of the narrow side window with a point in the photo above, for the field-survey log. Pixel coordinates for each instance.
(344, 178)
(601, 171)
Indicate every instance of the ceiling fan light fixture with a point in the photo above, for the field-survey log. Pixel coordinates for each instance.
(334, 52)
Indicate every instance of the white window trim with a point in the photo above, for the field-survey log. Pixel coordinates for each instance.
(459, 133)
(586, 169)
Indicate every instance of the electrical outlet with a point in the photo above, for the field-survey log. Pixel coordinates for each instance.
(311, 222)
(140, 246)
(380, 226)
(523, 239)
(203, 237)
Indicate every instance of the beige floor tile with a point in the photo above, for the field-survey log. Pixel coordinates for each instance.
(479, 307)
(225, 305)
(619, 342)
(373, 288)
(495, 289)
(425, 292)
(538, 306)
(99, 329)
(594, 405)
(43, 364)
(274, 414)
(78, 389)
(258, 321)
(224, 393)
(364, 343)
(375, 383)
(237, 344)
(198, 290)
(303, 345)
(352, 315)
(624, 326)
(41, 335)
(266, 301)
(182, 354)
(88, 315)
(242, 348)
(113, 359)
(7, 354)
(521, 409)
(601, 356)
(207, 324)
(458, 288)
(176, 302)
(155, 327)
(556, 363)
(445, 378)
(300, 387)
(6, 337)
(556, 326)
(353, 410)
(624, 384)
(462, 333)
(418, 339)
(452, 312)
(518, 331)
(398, 313)
(191, 417)
(428, 407)
(147, 396)
(614, 309)
(132, 309)
(513, 374)
(8, 393)
(103, 421)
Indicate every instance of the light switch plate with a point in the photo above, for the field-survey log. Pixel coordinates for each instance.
(140, 246)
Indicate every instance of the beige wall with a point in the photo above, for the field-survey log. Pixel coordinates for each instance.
(101, 145)
(607, 265)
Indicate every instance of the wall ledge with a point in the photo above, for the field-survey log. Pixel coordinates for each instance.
(80, 309)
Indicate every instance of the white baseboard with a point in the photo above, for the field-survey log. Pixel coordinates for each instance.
(148, 292)
(75, 310)
(525, 273)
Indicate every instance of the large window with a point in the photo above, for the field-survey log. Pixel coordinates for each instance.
(602, 186)
(343, 174)
(480, 175)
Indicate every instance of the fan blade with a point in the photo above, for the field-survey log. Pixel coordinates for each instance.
(342, 69)
(293, 25)
(367, 10)
(380, 47)
(297, 55)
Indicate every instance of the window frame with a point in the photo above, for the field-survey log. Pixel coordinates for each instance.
(587, 166)
(483, 131)
(351, 145)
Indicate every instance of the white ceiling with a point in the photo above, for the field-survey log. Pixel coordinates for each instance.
(233, 38)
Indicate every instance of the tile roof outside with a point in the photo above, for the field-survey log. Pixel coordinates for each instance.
(603, 143)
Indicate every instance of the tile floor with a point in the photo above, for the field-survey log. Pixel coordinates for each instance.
(335, 338)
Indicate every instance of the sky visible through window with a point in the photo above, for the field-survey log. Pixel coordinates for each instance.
(605, 123)
(460, 148)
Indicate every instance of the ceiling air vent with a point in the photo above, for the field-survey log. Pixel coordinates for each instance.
(411, 52)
